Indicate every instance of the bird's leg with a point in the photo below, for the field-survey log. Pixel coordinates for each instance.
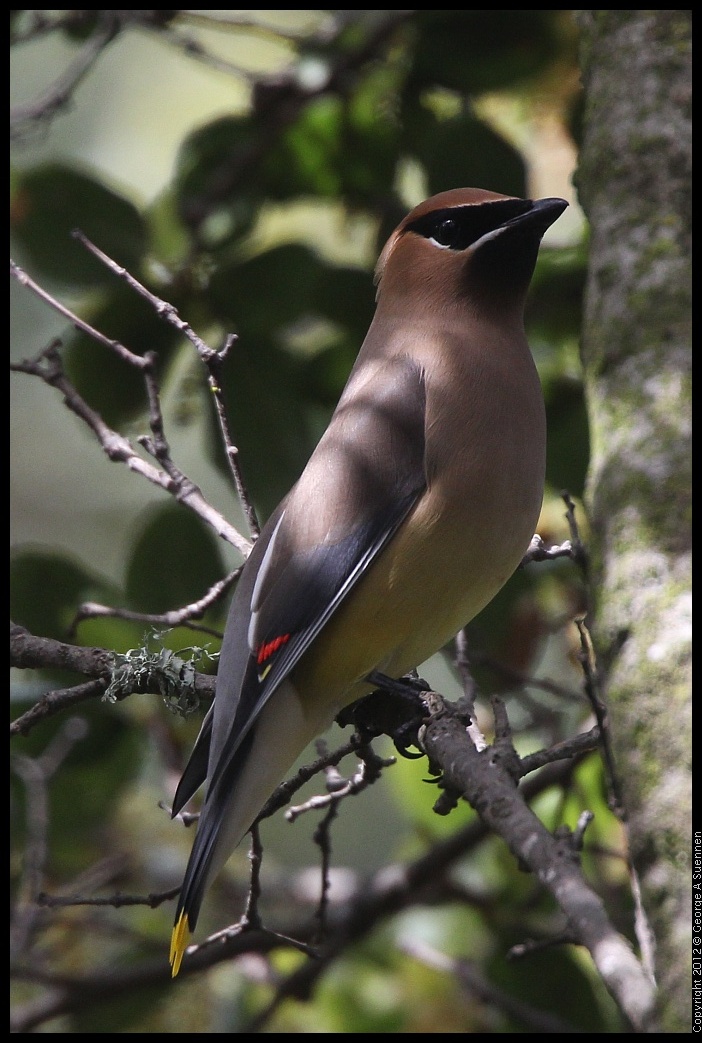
(407, 687)
(395, 709)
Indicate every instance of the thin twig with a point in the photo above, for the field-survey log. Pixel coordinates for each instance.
(36, 773)
(183, 616)
(63, 88)
(54, 702)
(116, 901)
(476, 984)
(562, 750)
(213, 361)
(48, 366)
(138, 361)
(592, 690)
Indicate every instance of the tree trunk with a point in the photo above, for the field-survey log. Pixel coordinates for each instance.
(635, 185)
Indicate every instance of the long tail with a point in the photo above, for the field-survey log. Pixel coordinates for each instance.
(267, 753)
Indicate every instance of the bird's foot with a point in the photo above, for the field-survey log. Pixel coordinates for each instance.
(395, 709)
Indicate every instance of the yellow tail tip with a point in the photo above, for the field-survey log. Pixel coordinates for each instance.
(179, 942)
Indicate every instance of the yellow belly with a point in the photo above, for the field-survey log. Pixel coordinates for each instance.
(431, 580)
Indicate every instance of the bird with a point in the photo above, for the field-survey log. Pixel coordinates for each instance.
(416, 506)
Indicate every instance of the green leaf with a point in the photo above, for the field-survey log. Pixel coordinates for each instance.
(170, 242)
(462, 150)
(81, 26)
(555, 301)
(108, 383)
(346, 296)
(305, 162)
(212, 195)
(568, 445)
(268, 412)
(274, 290)
(174, 560)
(476, 51)
(274, 387)
(336, 148)
(551, 980)
(51, 201)
(268, 291)
(63, 584)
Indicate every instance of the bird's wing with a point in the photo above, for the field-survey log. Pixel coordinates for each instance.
(362, 481)
(195, 771)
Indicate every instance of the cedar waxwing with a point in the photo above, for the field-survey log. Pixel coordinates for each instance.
(415, 508)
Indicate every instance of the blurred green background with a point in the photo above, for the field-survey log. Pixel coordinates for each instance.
(247, 167)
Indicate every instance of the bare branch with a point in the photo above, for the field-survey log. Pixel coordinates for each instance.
(28, 651)
(35, 773)
(138, 361)
(48, 367)
(562, 751)
(368, 772)
(485, 782)
(183, 616)
(393, 889)
(538, 551)
(55, 702)
(375, 900)
(116, 901)
(213, 361)
(57, 97)
(592, 690)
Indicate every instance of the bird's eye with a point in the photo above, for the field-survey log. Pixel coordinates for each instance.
(445, 231)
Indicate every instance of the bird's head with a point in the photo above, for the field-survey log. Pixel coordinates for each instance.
(465, 244)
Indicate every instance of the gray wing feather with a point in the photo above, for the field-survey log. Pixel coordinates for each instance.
(362, 481)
